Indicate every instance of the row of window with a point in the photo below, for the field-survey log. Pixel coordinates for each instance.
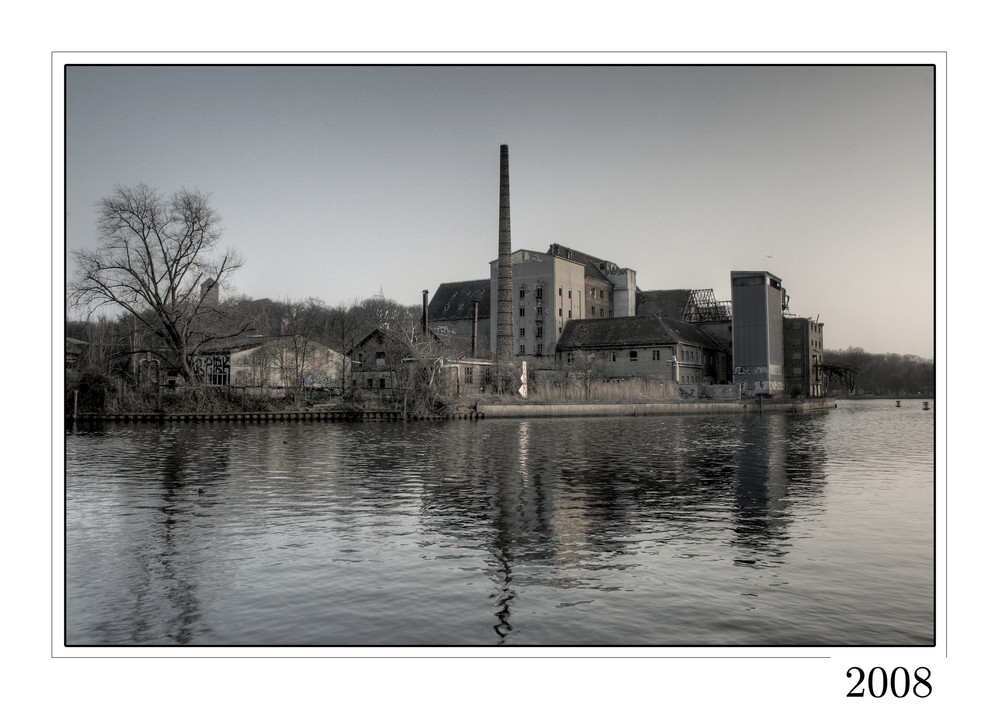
(685, 355)
(540, 311)
(540, 292)
(633, 356)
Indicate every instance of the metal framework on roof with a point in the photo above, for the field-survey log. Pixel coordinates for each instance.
(839, 373)
(706, 308)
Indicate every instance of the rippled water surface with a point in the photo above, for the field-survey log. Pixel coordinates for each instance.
(677, 530)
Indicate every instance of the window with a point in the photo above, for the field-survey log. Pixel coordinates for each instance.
(633, 356)
(538, 349)
(560, 291)
(571, 313)
(569, 357)
(539, 292)
(538, 311)
(381, 383)
(593, 310)
(538, 332)
(602, 293)
(614, 356)
(522, 333)
(602, 313)
(522, 293)
(371, 383)
(560, 313)
(570, 294)
(522, 350)
(593, 292)
(468, 374)
(379, 357)
(656, 355)
(521, 313)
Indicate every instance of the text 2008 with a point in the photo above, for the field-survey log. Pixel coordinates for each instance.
(898, 683)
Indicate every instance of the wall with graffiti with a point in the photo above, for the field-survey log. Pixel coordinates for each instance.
(212, 369)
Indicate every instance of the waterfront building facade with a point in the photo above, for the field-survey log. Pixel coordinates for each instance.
(804, 373)
(650, 347)
(556, 287)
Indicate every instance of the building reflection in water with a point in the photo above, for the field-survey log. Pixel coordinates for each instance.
(563, 504)
(778, 465)
(550, 513)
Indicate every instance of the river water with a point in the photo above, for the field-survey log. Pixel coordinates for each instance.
(692, 530)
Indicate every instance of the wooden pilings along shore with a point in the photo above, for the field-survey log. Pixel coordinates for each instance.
(345, 416)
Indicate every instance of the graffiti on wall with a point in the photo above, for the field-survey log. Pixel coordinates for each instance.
(211, 369)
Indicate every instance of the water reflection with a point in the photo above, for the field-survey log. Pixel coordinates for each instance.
(563, 531)
(564, 507)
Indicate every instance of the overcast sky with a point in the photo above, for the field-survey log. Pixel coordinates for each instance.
(339, 182)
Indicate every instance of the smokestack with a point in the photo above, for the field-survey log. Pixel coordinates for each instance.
(475, 327)
(505, 272)
(427, 324)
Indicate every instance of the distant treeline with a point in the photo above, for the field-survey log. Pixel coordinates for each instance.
(885, 374)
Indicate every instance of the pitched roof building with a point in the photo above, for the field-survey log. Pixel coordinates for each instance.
(644, 346)
(459, 314)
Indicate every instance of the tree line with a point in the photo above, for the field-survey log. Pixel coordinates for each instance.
(886, 374)
(150, 295)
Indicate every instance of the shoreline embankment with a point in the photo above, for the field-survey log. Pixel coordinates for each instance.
(630, 409)
(481, 411)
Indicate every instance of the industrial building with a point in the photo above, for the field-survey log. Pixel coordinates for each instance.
(805, 372)
(759, 303)
(552, 288)
(563, 309)
(651, 347)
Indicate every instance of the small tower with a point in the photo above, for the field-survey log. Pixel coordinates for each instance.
(210, 292)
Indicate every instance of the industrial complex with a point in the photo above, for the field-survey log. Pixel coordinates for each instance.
(562, 311)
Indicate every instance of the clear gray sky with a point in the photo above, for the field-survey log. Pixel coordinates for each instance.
(338, 182)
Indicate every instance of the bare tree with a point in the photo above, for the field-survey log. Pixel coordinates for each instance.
(156, 260)
(297, 350)
(345, 330)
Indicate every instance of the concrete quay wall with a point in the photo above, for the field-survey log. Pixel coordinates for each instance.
(654, 408)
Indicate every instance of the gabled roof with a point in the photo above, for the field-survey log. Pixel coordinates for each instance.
(669, 303)
(455, 300)
(250, 342)
(592, 266)
(420, 347)
(233, 343)
(75, 346)
(382, 337)
(584, 334)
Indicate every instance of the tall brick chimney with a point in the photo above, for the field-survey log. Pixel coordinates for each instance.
(426, 318)
(505, 271)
